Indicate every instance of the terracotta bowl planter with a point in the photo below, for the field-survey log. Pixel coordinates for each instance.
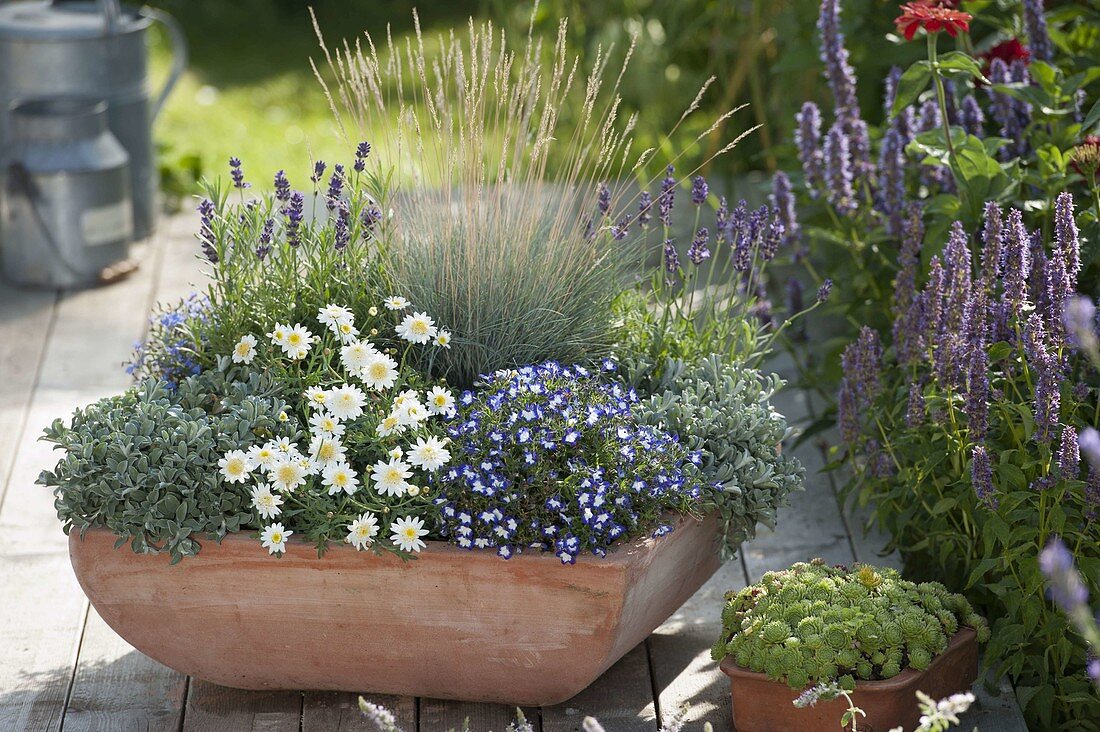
(453, 624)
(763, 705)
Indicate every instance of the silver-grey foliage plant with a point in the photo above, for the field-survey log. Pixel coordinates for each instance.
(144, 464)
(723, 410)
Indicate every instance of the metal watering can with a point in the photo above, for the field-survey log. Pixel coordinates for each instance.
(91, 49)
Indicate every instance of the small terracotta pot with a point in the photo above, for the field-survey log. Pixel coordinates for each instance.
(763, 705)
(452, 624)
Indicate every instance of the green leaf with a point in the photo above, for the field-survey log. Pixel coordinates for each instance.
(962, 64)
(912, 83)
(1092, 118)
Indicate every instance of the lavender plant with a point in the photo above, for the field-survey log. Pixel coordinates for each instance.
(551, 457)
(986, 119)
(963, 437)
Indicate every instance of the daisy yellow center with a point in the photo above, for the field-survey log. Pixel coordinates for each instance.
(444, 339)
(294, 339)
(390, 422)
(235, 466)
(327, 451)
(363, 532)
(345, 328)
(328, 425)
(319, 397)
(393, 474)
(243, 349)
(428, 451)
(276, 537)
(267, 499)
(419, 327)
(409, 532)
(340, 479)
(265, 454)
(440, 400)
(287, 473)
(377, 370)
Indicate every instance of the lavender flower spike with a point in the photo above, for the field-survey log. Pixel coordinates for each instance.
(666, 197)
(838, 71)
(981, 476)
(282, 186)
(1080, 323)
(891, 180)
(824, 291)
(672, 259)
(1036, 24)
(1069, 454)
(807, 137)
(1067, 240)
(993, 244)
(838, 170)
(971, 116)
(1017, 262)
(699, 190)
(861, 363)
(698, 251)
(782, 200)
(237, 174)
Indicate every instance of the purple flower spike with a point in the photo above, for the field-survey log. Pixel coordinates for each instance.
(1089, 444)
(993, 244)
(824, 291)
(808, 138)
(981, 476)
(698, 251)
(907, 302)
(282, 187)
(335, 188)
(1066, 240)
(293, 212)
(672, 259)
(645, 209)
(1036, 24)
(782, 200)
(362, 150)
(838, 170)
(1080, 323)
(318, 171)
(972, 118)
(1063, 580)
(1069, 454)
(699, 190)
(861, 362)
(838, 71)
(914, 411)
(206, 230)
(603, 198)
(1017, 262)
(667, 196)
(237, 174)
(1092, 493)
(891, 180)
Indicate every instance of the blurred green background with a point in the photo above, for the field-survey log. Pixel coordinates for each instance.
(250, 90)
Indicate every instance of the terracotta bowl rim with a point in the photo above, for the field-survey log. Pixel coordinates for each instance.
(303, 549)
(961, 637)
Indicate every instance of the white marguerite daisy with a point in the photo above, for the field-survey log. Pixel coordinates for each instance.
(326, 450)
(333, 315)
(346, 402)
(412, 414)
(396, 302)
(396, 452)
(414, 490)
(407, 532)
(443, 339)
(278, 334)
(417, 328)
(379, 373)
(347, 332)
(235, 466)
(274, 538)
(340, 477)
(429, 454)
(389, 426)
(298, 342)
(357, 354)
(262, 456)
(245, 350)
(391, 479)
(441, 401)
(316, 396)
(265, 502)
(361, 531)
(287, 474)
(325, 424)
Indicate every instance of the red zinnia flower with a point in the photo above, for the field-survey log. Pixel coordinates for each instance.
(933, 18)
(1008, 51)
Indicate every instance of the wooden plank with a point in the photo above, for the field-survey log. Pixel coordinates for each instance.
(689, 685)
(25, 319)
(115, 686)
(440, 715)
(621, 699)
(212, 708)
(43, 612)
(119, 689)
(334, 711)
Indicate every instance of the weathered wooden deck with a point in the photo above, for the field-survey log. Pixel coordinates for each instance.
(61, 667)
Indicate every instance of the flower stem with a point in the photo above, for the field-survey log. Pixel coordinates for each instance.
(941, 95)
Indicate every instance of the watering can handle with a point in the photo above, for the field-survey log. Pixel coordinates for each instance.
(179, 54)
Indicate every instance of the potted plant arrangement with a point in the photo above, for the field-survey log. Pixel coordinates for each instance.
(878, 638)
(433, 421)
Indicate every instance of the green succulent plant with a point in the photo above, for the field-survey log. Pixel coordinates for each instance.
(144, 464)
(723, 410)
(866, 623)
